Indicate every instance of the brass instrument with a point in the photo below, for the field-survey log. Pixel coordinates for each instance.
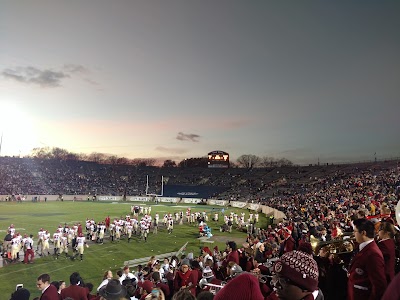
(213, 288)
(261, 278)
(335, 247)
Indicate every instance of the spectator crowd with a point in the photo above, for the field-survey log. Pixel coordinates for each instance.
(298, 258)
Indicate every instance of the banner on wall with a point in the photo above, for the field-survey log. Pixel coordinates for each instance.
(218, 202)
(193, 200)
(109, 198)
(238, 204)
(167, 200)
(140, 199)
(254, 206)
(192, 191)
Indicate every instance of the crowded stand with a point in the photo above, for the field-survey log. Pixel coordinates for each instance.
(340, 238)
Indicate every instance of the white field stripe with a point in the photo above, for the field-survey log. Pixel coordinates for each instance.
(39, 265)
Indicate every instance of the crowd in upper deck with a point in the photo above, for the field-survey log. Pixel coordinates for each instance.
(20, 176)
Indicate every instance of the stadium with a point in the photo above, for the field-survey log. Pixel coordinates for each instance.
(198, 150)
(311, 206)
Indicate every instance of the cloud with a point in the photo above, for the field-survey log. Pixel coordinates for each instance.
(31, 75)
(45, 78)
(187, 137)
(72, 68)
(171, 150)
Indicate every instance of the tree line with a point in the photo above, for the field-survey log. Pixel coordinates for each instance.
(248, 161)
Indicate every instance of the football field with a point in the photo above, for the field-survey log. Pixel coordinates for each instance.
(29, 217)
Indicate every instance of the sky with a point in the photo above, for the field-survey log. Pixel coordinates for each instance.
(166, 79)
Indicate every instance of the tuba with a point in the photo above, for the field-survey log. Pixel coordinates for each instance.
(397, 212)
(336, 247)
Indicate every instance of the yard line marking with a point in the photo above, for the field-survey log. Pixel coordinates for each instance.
(32, 267)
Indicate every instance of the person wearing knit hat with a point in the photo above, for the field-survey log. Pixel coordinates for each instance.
(146, 285)
(206, 250)
(184, 277)
(207, 272)
(207, 254)
(296, 276)
(243, 287)
(216, 251)
(208, 278)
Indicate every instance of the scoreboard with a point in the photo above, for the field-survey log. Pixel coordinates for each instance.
(218, 159)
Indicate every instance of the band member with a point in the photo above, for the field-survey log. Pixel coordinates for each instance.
(296, 276)
(387, 246)
(367, 278)
(233, 254)
(244, 286)
(208, 274)
(48, 291)
(184, 278)
(289, 243)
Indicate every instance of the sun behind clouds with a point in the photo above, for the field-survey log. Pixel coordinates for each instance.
(17, 130)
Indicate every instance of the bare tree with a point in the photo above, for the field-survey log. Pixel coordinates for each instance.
(169, 164)
(248, 161)
(143, 162)
(41, 152)
(123, 161)
(284, 162)
(268, 161)
(150, 162)
(59, 153)
(72, 156)
(96, 157)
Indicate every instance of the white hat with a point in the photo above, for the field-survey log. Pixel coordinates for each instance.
(207, 272)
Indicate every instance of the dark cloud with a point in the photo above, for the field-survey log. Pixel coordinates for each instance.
(187, 137)
(44, 78)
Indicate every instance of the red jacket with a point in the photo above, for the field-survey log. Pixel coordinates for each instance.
(50, 293)
(389, 256)
(185, 279)
(289, 244)
(76, 292)
(367, 280)
(165, 288)
(232, 256)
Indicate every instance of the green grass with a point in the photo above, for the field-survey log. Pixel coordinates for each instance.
(30, 217)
